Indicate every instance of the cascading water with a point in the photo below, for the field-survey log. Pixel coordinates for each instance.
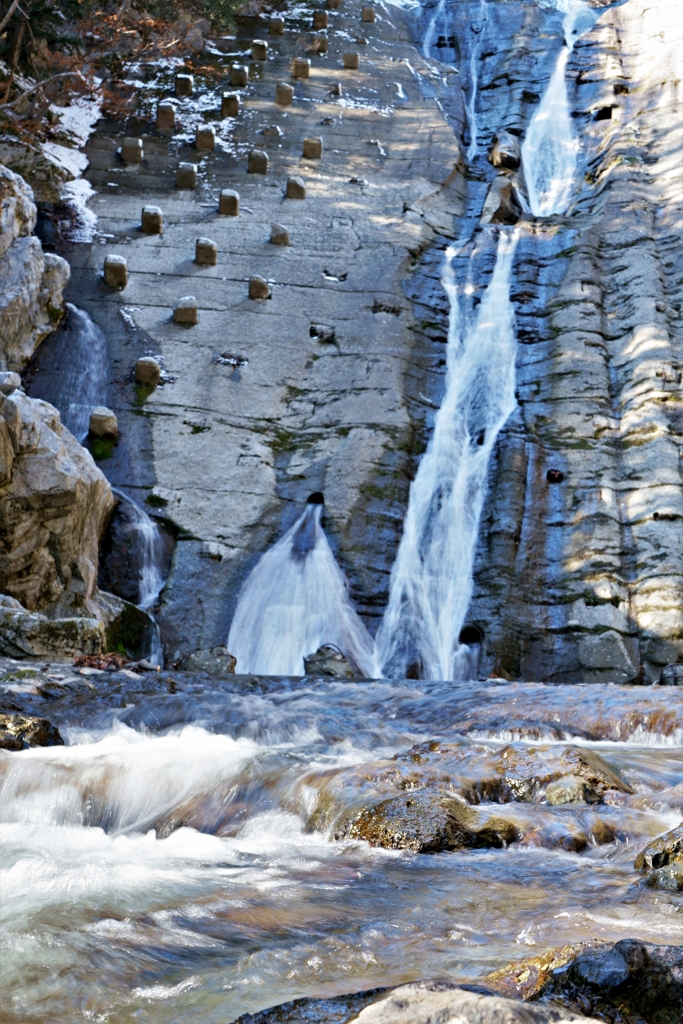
(294, 601)
(431, 581)
(477, 28)
(150, 557)
(72, 371)
(550, 147)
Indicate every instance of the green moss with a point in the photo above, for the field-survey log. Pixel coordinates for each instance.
(155, 501)
(101, 448)
(130, 633)
(142, 393)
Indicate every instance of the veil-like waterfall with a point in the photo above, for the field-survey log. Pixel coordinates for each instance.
(550, 147)
(294, 601)
(74, 379)
(477, 27)
(431, 582)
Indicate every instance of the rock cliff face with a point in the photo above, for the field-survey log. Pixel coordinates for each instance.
(582, 579)
(31, 281)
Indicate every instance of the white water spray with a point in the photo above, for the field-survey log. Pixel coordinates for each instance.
(294, 601)
(431, 582)
(550, 147)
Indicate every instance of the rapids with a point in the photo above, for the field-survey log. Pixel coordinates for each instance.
(177, 858)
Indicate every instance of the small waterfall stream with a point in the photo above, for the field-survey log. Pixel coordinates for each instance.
(294, 601)
(72, 370)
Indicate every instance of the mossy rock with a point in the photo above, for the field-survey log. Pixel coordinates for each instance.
(131, 633)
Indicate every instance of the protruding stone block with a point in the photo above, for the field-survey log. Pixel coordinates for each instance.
(258, 288)
(186, 176)
(336, 89)
(277, 27)
(239, 76)
(367, 14)
(147, 371)
(103, 422)
(9, 382)
(206, 252)
(321, 44)
(230, 104)
(301, 67)
(152, 220)
(132, 151)
(296, 187)
(333, 5)
(258, 162)
(351, 60)
(506, 151)
(279, 235)
(185, 310)
(229, 203)
(165, 115)
(115, 271)
(184, 85)
(259, 49)
(284, 94)
(205, 138)
(313, 148)
(319, 20)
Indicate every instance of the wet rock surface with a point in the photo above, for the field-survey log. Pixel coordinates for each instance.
(19, 732)
(328, 661)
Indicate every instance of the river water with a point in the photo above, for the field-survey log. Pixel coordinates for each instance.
(178, 857)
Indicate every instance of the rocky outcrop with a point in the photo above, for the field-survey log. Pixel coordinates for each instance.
(31, 281)
(54, 504)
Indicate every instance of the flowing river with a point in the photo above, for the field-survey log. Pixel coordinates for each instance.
(177, 859)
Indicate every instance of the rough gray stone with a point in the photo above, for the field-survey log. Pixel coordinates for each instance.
(185, 311)
(103, 422)
(9, 382)
(506, 151)
(115, 271)
(502, 205)
(152, 220)
(671, 675)
(217, 661)
(328, 661)
(229, 203)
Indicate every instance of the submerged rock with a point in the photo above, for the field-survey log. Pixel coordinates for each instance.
(328, 661)
(19, 732)
(667, 849)
(629, 981)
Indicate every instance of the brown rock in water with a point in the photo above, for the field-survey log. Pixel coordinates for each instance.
(333, 5)
(630, 981)
(147, 371)
(19, 732)
(425, 821)
(301, 67)
(184, 85)
(351, 60)
(229, 203)
(185, 311)
(313, 148)
(165, 115)
(506, 151)
(206, 252)
(239, 76)
(328, 661)
(284, 94)
(186, 176)
(320, 20)
(524, 979)
(103, 422)
(259, 49)
(205, 139)
(665, 850)
(276, 26)
(367, 14)
(115, 271)
(296, 187)
(132, 151)
(152, 220)
(279, 235)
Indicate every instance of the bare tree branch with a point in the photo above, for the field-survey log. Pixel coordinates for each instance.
(12, 9)
(48, 81)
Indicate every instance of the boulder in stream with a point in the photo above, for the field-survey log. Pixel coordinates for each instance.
(662, 851)
(19, 732)
(328, 661)
(217, 661)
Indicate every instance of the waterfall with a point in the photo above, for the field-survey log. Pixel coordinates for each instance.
(294, 601)
(72, 371)
(431, 581)
(471, 104)
(431, 29)
(150, 558)
(550, 147)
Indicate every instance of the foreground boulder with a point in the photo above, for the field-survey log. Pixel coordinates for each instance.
(419, 1003)
(31, 281)
(328, 661)
(54, 504)
(25, 634)
(216, 661)
(18, 732)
